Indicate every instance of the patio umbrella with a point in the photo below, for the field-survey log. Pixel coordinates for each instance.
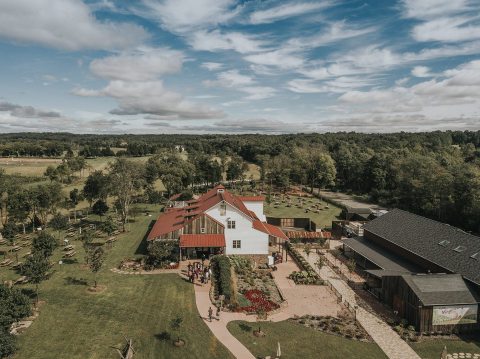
(279, 351)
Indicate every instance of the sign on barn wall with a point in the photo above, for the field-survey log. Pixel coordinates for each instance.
(465, 314)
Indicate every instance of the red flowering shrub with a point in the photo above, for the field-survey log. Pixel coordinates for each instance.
(259, 302)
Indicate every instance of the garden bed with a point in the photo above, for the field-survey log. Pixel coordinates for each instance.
(307, 275)
(344, 327)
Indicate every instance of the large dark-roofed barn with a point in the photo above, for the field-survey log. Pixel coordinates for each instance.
(427, 271)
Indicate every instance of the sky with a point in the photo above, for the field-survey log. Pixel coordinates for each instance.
(230, 66)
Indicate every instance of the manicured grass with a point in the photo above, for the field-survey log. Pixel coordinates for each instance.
(74, 323)
(322, 219)
(297, 341)
(432, 349)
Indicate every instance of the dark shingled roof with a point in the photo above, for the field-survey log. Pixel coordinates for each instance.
(421, 236)
(440, 289)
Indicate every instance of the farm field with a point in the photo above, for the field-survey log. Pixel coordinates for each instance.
(74, 323)
(35, 167)
(297, 341)
(323, 218)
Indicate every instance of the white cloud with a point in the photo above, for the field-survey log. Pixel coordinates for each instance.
(244, 83)
(426, 9)
(286, 11)
(336, 31)
(421, 71)
(150, 97)
(258, 92)
(212, 66)
(448, 29)
(458, 93)
(281, 58)
(134, 81)
(306, 86)
(215, 40)
(139, 65)
(183, 16)
(64, 24)
(231, 78)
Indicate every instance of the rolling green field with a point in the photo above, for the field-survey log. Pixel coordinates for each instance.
(296, 341)
(322, 219)
(75, 323)
(432, 349)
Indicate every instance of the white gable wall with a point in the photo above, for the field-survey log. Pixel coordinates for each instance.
(252, 241)
(257, 208)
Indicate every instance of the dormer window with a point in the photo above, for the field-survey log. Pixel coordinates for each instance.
(444, 243)
(202, 230)
(223, 209)
(220, 190)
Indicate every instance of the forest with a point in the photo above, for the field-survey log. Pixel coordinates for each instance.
(435, 174)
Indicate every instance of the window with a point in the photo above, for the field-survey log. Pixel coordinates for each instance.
(444, 243)
(202, 230)
(223, 209)
(476, 256)
(459, 248)
(231, 224)
(237, 244)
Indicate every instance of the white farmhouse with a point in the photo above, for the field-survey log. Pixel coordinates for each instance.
(219, 222)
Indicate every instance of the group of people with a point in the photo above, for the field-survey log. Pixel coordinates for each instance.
(198, 271)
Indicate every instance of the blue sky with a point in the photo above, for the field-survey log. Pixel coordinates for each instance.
(261, 66)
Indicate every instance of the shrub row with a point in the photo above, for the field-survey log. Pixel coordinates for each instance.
(222, 276)
(307, 275)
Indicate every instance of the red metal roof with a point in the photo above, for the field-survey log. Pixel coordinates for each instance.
(269, 229)
(202, 240)
(252, 198)
(174, 218)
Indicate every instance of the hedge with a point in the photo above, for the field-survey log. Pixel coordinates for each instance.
(221, 272)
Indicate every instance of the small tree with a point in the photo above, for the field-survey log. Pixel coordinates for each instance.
(161, 253)
(308, 249)
(320, 263)
(109, 226)
(8, 232)
(351, 264)
(44, 243)
(36, 269)
(87, 238)
(59, 222)
(175, 325)
(96, 257)
(100, 208)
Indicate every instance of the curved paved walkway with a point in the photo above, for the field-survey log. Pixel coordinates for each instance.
(386, 338)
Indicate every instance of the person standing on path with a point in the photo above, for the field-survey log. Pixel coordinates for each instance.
(218, 311)
(210, 313)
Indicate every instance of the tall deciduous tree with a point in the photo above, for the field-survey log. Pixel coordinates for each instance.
(128, 177)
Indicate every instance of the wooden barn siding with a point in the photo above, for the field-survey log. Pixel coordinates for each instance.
(426, 265)
(211, 226)
(411, 310)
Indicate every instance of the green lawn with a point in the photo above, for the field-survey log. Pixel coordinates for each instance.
(322, 219)
(298, 341)
(76, 324)
(432, 349)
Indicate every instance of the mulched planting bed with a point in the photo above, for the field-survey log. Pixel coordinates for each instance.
(345, 327)
(259, 280)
